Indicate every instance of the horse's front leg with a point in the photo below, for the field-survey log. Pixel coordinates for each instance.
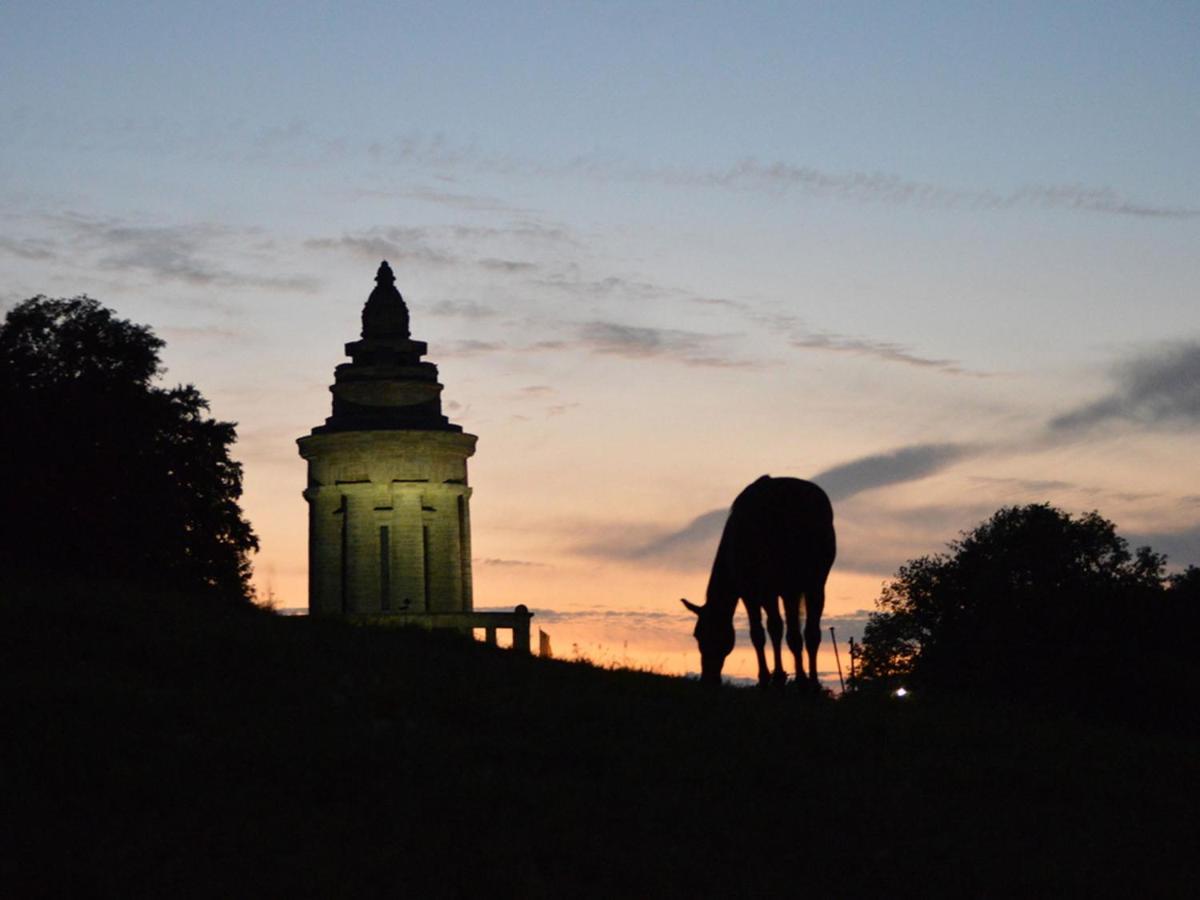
(758, 638)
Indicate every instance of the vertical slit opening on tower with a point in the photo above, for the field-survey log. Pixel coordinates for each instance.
(385, 569)
(343, 581)
(425, 563)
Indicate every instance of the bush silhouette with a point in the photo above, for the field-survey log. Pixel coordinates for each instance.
(1037, 602)
(112, 477)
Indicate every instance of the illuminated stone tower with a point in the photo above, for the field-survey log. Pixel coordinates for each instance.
(389, 528)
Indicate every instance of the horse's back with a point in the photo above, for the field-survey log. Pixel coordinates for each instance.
(780, 534)
(783, 506)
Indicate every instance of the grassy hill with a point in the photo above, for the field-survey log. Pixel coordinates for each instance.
(152, 747)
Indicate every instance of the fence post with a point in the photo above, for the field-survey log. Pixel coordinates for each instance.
(838, 657)
(521, 617)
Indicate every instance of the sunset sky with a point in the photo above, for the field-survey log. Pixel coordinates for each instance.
(938, 257)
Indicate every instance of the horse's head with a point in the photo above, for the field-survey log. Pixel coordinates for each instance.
(714, 635)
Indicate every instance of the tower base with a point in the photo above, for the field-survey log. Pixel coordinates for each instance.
(389, 522)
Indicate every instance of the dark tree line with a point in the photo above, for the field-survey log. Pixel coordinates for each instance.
(110, 476)
(1038, 603)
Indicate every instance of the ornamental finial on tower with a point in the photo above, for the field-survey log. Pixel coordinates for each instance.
(385, 315)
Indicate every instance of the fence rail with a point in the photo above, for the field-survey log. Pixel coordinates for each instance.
(516, 621)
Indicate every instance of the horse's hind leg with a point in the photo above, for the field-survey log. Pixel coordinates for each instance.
(775, 629)
(795, 637)
(758, 638)
(814, 605)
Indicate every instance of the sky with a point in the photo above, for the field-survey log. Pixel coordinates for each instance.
(938, 257)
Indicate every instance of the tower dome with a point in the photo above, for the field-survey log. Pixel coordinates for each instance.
(386, 385)
(385, 314)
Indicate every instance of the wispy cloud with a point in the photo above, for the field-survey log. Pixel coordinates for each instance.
(509, 266)
(470, 348)
(688, 347)
(692, 544)
(463, 309)
(496, 562)
(468, 202)
(29, 248)
(528, 231)
(1026, 485)
(610, 286)
(611, 338)
(396, 244)
(183, 253)
(751, 174)
(495, 249)
(720, 302)
(782, 175)
(883, 350)
(1160, 388)
(436, 151)
(296, 142)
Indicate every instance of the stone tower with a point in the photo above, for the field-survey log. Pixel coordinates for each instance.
(389, 527)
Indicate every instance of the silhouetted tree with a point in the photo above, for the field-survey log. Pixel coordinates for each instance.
(1185, 585)
(109, 476)
(1031, 600)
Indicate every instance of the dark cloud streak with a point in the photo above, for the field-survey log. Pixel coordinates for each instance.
(883, 350)
(638, 342)
(168, 252)
(1156, 389)
(883, 469)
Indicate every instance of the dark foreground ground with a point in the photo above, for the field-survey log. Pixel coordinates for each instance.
(153, 749)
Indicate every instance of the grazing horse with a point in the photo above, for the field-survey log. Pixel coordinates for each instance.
(778, 543)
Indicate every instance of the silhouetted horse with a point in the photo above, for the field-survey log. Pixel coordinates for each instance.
(778, 543)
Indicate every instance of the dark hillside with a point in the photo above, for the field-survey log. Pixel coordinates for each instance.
(153, 747)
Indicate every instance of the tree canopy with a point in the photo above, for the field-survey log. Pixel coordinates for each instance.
(111, 476)
(1033, 600)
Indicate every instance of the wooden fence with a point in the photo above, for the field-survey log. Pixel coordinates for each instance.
(517, 621)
